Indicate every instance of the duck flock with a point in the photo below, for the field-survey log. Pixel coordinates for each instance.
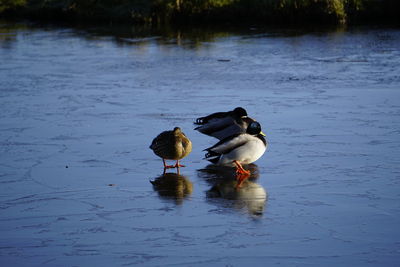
(241, 141)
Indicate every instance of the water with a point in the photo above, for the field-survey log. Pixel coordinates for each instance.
(80, 106)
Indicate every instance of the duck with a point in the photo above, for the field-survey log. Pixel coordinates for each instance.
(224, 124)
(171, 145)
(239, 149)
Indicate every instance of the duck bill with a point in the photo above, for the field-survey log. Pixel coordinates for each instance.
(263, 134)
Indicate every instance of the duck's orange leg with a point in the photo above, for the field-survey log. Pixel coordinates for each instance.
(240, 170)
(167, 166)
(241, 174)
(177, 165)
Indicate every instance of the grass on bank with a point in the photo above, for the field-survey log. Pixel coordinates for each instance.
(205, 11)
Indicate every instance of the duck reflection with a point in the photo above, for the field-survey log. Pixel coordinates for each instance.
(247, 196)
(214, 173)
(250, 196)
(173, 186)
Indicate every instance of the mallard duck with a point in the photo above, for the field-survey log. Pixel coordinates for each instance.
(172, 145)
(238, 149)
(224, 124)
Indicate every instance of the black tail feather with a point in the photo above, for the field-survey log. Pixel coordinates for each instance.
(214, 160)
(210, 154)
(199, 121)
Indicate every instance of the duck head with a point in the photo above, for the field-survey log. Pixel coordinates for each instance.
(254, 128)
(177, 130)
(240, 112)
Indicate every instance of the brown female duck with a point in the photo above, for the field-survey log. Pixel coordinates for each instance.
(172, 145)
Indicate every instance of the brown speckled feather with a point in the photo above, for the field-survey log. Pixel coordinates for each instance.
(173, 145)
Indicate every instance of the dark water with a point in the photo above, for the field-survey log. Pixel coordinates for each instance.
(80, 106)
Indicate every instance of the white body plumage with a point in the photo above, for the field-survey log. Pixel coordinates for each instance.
(244, 148)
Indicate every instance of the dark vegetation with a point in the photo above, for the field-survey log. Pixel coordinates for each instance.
(207, 11)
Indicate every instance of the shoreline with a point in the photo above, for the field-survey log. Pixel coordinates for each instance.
(179, 12)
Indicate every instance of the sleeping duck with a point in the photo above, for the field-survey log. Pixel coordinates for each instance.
(172, 145)
(238, 149)
(224, 124)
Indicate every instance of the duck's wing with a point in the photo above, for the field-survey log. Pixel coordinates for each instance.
(157, 140)
(228, 144)
(161, 144)
(186, 144)
(214, 116)
(219, 128)
(228, 131)
(230, 127)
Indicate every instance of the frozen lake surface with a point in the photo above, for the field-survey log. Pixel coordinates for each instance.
(80, 106)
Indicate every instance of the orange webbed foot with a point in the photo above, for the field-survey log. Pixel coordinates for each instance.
(178, 165)
(240, 179)
(241, 174)
(168, 166)
(239, 169)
